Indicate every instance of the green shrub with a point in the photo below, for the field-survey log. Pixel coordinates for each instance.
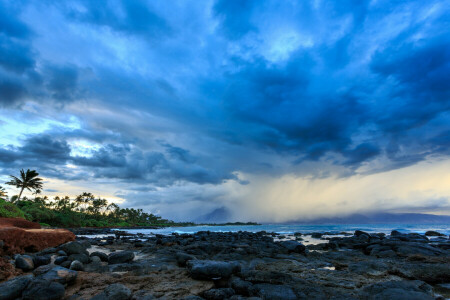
(9, 210)
(38, 213)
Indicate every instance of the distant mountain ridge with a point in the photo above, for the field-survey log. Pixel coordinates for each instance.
(378, 218)
(219, 215)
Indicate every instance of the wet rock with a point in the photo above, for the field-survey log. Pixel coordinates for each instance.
(293, 246)
(60, 274)
(241, 287)
(372, 268)
(428, 272)
(182, 258)
(103, 256)
(41, 260)
(59, 260)
(40, 289)
(48, 251)
(218, 294)
(115, 291)
(80, 257)
(85, 243)
(76, 265)
(433, 233)
(120, 257)
(400, 290)
(73, 248)
(316, 235)
(406, 249)
(42, 269)
(25, 263)
(360, 232)
(95, 259)
(209, 269)
(275, 292)
(12, 289)
(396, 233)
(66, 264)
(61, 253)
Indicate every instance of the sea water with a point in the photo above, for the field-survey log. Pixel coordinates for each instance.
(304, 229)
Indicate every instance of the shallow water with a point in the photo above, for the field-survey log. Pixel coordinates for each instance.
(305, 229)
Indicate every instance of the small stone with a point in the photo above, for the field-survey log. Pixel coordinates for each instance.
(103, 256)
(41, 260)
(76, 266)
(25, 263)
(59, 260)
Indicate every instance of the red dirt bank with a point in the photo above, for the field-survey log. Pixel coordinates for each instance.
(21, 236)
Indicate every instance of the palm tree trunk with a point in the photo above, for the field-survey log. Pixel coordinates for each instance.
(20, 194)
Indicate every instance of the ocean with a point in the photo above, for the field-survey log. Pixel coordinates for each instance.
(304, 229)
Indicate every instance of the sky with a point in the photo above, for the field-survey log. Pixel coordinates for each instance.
(273, 110)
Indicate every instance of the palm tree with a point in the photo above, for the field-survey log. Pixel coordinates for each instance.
(3, 193)
(28, 180)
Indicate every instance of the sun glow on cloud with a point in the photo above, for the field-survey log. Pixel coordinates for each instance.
(424, 187)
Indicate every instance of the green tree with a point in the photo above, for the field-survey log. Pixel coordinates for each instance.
(28, 180)
(3, 193)
(84, 200)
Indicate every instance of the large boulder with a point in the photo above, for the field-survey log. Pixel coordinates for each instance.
(24, 262)
(73, 248)
(40, 289)
(433, 233)
(183, 258)
(399, 290)
(120, 257)
(12, 289)
(431, 273)
(115, 291)
(41, 260)
(209, 269)
(293, 246)
(61, 275)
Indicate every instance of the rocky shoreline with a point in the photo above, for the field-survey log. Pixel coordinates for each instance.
(240, 265)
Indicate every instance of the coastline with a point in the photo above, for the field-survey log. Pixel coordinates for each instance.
(242, 264)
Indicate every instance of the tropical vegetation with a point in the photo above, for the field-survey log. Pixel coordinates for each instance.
(85, 210)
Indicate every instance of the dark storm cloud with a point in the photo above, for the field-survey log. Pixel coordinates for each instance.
(62, 82)
(235, 17)
(11, 91)
(124, 162)
(132, 17)
(15, 56)
(233, 86)
(9, 24)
